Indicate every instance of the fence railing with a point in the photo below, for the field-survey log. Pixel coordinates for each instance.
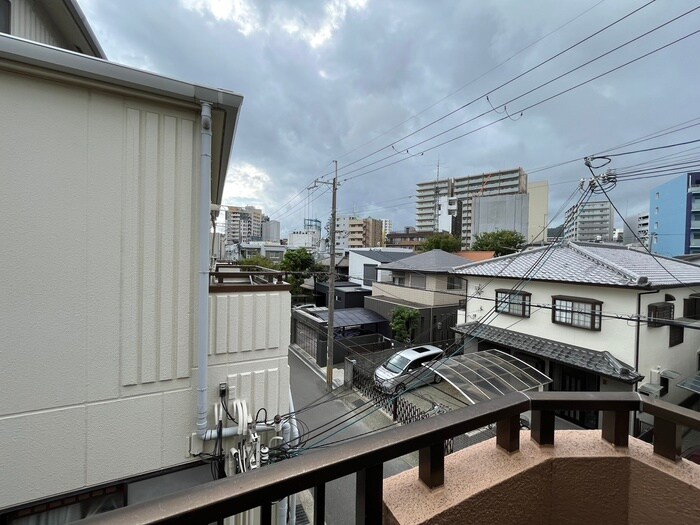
(366, 456)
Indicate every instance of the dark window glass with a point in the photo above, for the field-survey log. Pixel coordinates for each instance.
(675, 336)
(577, 311)
(658, 311)
(513, 303)
(4, 16)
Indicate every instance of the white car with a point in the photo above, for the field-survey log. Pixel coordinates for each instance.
(405, 368)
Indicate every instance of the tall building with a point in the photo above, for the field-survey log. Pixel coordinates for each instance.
(372, 233)
(387, 228)
(674, 216)
(243, 224)
(271, 231)
(636, 229)
(592, 221)
(446, 205)
(309, 237)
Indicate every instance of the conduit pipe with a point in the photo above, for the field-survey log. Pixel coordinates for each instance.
(203, 263)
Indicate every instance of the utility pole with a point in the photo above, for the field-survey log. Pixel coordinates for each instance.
(331, 279)
(331, 287)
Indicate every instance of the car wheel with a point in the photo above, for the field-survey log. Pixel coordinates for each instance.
(400, 389)
(437, 379)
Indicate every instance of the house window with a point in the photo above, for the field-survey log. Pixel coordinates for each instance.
(576, 311)
(398, 278)
(4, 16)
(657, 311)
(691, 306)
(454, 282)
(369, 274)
(418, 280)
(675, 335)
(513, 303)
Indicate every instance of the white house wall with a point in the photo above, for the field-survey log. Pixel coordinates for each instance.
(427, 296)
(655, 352)
(616, 336)
(27, 20)
(98, 270)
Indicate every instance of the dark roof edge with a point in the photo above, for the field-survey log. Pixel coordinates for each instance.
(84, 27)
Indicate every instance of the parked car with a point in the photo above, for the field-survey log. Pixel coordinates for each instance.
(406, 368)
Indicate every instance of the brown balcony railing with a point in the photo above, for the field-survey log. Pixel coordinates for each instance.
(366, 456)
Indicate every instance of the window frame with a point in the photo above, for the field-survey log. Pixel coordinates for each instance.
(659, 312)
(595, 313)
(454, 282)
(6, 17)
(523, 304)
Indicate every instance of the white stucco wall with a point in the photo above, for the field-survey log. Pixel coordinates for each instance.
(97, 321)
(435, 292)
(617, 336)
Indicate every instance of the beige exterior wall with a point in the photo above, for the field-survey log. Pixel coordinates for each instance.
(99, 279)
(538, 211)
(428, 296)
(28, 20)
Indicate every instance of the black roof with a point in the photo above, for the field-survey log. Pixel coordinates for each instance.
(352, 317)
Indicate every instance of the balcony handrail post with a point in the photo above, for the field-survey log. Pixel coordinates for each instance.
(319, 504)
(542, 427)
(369, 498)
(431, 465)
(508, 433)
(667, 439)
(616, 427)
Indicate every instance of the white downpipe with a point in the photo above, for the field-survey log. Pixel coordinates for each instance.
(203, 263)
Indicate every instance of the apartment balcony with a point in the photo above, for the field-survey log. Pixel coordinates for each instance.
(537, 476)
(231, 278)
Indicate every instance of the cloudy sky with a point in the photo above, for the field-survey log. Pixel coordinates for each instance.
(349, 80)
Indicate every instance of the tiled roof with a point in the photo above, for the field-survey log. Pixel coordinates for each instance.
(594, 361)
(382, 256)
(434, 261)
(589, 263)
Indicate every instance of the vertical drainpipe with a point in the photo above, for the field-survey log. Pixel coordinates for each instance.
(203, 264)
(636, 348)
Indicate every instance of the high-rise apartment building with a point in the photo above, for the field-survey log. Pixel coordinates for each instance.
(446, 205)
(636, 229)
(674, 216)
(387, 228)
(270, 230)
(243, 224)
(591, 221)
(372, 233)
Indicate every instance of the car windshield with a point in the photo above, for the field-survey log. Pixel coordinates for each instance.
(396, 364)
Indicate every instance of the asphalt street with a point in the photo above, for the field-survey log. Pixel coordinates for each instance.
(307, 387)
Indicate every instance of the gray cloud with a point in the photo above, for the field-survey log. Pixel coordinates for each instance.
(322, 79)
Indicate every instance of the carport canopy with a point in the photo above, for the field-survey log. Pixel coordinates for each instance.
(691, 383)
(487, 374)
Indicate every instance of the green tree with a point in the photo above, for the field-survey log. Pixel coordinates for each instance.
(301, 263)
(258, 260)
(442, 241)
(503, 242)
(403, 323)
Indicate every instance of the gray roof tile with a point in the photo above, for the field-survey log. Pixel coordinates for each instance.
(588, 263)
(603, 363)
(434, 261)
(382, 256)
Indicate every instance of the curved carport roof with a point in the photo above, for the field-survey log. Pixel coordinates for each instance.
(484, 375)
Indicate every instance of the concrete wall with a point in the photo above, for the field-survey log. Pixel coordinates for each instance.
(581, 479)
(500, 212)
(538, 211)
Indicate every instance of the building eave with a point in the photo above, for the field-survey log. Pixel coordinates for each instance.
(225, 104)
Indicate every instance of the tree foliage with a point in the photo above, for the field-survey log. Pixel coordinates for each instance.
(503, 242)
(258, 260)
(403, 323)
(301, 263)
(442, 241)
